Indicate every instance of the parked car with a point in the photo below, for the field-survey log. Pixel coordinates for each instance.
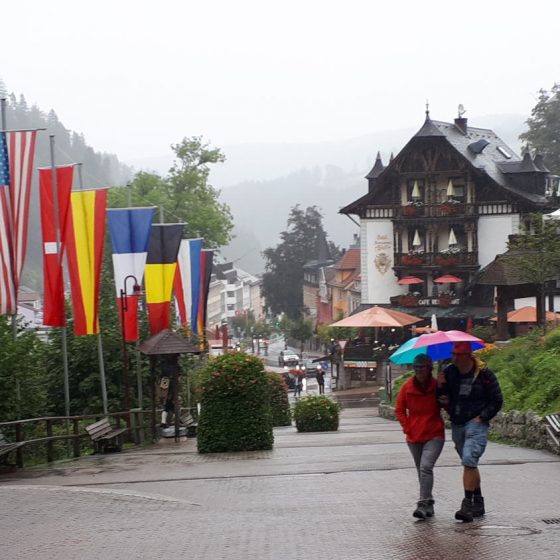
(287, 358)
(310, 369)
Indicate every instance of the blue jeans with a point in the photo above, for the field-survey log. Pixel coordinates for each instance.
(470, 441)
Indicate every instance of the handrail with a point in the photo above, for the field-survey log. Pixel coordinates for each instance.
(73, 433)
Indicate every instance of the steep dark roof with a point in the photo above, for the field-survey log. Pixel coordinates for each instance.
(377, 168)
(428, 129)
(496, 159)
(168, 342)
(504, 270)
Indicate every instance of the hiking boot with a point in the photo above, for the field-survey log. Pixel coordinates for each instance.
(430, 508)
(465, 514)
(478, 506)
(421, 511)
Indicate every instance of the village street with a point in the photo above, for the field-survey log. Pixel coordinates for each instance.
(345, 495)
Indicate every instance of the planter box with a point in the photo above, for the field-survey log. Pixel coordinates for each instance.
(446, 260)
(408, 301)
(448, 209)
(412, 260)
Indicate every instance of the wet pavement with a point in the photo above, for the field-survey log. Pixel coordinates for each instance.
(344, 495)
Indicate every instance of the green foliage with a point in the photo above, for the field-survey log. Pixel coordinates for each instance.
(316, 413)
(21, 371)
(185, 194)
(235, 405)
(537, 254)
(527, 369)
(484, 332)
(399, 383)
(301, 330)
(281, 414)
(303, 241)
(544, 127)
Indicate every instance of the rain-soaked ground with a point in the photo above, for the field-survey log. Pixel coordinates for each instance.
(344, 495)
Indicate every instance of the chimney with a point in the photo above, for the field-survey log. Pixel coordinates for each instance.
(461, 124)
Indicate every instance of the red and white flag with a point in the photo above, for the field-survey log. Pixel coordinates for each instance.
(53, 249)
(17, 149)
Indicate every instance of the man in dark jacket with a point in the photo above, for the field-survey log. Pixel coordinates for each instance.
(471, 395)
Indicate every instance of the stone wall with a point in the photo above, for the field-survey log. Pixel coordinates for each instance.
(525, 429)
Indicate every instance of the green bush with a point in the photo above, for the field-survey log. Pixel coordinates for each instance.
(235, 410)
(316, 413)
(485, 332)
(280, 405)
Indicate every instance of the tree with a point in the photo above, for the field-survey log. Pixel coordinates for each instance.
(21, 372)
(544, 127)
(536, 256)
(301, 330)
(303, 241)
(185, 194)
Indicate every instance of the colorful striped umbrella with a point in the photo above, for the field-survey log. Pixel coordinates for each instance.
(437, 345)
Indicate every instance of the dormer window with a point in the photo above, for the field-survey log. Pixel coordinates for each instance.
(504, 152)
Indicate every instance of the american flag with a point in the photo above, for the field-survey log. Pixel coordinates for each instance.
(17, 150)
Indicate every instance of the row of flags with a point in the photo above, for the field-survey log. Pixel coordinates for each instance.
(73, 226)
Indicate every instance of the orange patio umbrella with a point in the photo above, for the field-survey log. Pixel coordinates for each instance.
(378, 317)
(406, 280)
(528, 314)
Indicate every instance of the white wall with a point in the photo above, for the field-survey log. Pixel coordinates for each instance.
(378, 278)
(493, 234)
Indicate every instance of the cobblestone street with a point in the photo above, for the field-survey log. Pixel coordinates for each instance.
(347, 495)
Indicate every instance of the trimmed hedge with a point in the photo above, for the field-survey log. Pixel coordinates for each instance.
(281, 413)
(316, 413)
(235, 410)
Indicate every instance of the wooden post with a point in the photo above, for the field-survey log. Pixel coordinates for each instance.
(19, 450)
(76, 423)
(50, 447)
(502, 332)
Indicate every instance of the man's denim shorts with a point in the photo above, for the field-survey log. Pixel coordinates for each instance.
(470, 441)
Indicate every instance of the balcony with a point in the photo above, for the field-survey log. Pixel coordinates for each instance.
(443, 209)
(436, 260)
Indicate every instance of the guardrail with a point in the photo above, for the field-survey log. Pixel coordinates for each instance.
(48, 430)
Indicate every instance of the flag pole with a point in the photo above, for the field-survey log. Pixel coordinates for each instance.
(99, 339)
(3, 112)
(63, 331)
(14, 315)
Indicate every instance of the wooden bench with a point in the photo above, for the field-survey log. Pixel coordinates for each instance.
(553, 427)
(105, 437)
(190, 423)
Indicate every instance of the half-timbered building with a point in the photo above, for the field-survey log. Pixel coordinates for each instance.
(444, 207)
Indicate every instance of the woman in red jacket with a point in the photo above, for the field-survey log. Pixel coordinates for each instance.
(418, 412)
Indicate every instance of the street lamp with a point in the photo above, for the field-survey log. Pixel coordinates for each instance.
(124, 308)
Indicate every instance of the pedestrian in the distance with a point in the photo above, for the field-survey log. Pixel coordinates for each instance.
(418, 412)
(472, 396)
(320, 375)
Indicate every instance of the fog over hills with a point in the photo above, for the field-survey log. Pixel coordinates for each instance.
(261, 182)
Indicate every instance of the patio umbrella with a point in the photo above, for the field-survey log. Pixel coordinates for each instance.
(452, 239)
(528, 314)
(410, 280)
(450, 189)
(416, 241)
(378, 317)
(434, 322)
(448, 279)
(415, 191)
(437, 345)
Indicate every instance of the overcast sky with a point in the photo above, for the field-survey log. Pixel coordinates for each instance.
(137, 76)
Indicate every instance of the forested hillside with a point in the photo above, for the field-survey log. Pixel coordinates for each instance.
(98, 169)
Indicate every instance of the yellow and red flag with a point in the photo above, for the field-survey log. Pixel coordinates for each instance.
(84, 235)
(159, 274)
